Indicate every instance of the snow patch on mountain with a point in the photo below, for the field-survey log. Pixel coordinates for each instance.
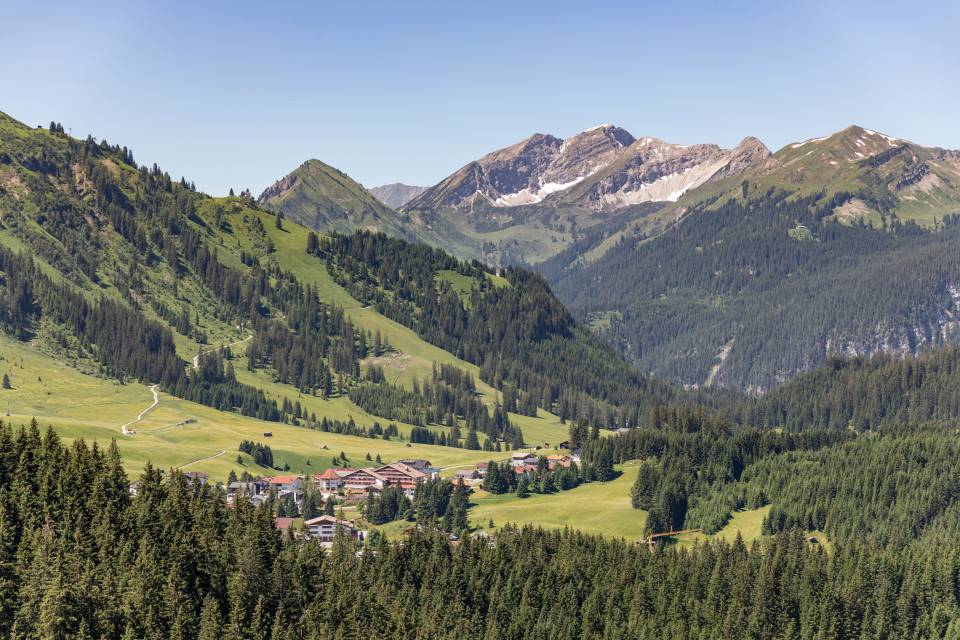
(814, 140)
(528, 196)
(667, 188)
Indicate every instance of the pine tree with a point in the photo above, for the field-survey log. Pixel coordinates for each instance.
(210, 621)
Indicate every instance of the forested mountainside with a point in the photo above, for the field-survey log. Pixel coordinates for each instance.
(865, 393)
(713, 267)
(509, 325)
(748, 293)
(116, 265)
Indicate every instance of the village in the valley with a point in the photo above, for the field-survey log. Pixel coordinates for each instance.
(349, 488)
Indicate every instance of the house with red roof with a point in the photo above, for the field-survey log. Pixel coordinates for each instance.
(286, 484)
(329, 481)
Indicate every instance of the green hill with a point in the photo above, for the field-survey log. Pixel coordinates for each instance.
(325, 199)
(113, 274)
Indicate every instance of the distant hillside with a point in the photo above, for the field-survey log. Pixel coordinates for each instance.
(397, 194)
(325, 199)
(321, 197)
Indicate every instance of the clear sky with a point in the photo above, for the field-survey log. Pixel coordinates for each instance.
(236, 94)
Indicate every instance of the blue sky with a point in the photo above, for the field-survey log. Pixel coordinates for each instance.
(237, 94)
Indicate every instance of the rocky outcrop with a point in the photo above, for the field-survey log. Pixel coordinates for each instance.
(608, 166)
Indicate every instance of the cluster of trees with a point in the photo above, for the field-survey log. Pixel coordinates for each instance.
(734, 275)
(261, 453)
(501, 478)
(188, 567)
(891, 488)
(449, 399)
(864, 393)
(679, 466)
(437, 503)
(350, 428)
(391, 504)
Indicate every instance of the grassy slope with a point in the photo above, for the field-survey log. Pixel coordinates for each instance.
(79, 405)
(415, 357)
(595, 508)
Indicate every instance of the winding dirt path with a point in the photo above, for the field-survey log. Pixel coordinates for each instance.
(187, 464)
(196, 358)
(125, 429)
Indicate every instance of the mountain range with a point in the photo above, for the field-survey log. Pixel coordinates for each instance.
(601, 212)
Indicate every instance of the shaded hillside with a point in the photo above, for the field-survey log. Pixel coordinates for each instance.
(866, 393)
(747, 294)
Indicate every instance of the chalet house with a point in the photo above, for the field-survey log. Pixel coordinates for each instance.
(468, 477)
(286, 484)
(256, 491)
(555, 461)
(481, 470)
(523, 458)
(403, 475)
(363, 481)
(329, 481)
(196, 476)
(325, 528)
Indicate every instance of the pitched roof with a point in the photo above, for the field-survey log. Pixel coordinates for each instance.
(365, 471)
(328, 474)
(405, 469)
(283, 479)
(283, 523)
(328, 520)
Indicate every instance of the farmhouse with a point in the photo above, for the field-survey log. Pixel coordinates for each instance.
(417, 463)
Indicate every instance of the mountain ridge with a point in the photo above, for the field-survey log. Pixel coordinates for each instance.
(396, 194)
